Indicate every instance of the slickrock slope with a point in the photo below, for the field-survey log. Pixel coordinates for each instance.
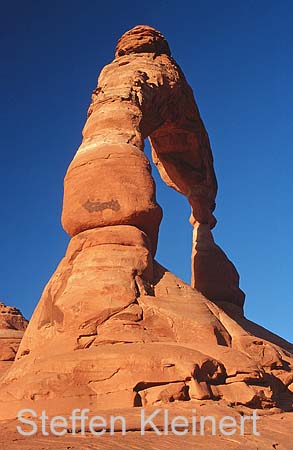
(12, 327)
(114, 328)
(275, 432)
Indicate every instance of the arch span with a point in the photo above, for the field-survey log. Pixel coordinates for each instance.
(144, 93)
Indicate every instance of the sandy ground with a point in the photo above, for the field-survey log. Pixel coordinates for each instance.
(276, 432)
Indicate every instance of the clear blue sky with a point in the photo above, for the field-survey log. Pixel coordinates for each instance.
(237, 56)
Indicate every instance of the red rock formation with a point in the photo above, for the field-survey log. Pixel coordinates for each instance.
(113, 327)
(213, 273)
(144, 93)
(12, 327)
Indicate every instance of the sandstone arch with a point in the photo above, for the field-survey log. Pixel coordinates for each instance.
(113, 326)
(139, 95)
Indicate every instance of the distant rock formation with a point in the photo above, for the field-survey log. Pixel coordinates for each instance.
(113, 328)
(12, 327)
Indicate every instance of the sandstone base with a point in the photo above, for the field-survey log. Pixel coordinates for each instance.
(131, 334)
(275, 433)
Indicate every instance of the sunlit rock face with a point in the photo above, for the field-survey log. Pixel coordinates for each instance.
(12, 327)
(113, 327)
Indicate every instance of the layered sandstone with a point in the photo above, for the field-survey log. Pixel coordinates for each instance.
(12, 327)
(113, 327)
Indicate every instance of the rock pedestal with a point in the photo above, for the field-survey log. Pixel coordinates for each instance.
(113, 328)
(213, 273)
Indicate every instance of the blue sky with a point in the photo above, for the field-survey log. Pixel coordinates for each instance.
(236, 55)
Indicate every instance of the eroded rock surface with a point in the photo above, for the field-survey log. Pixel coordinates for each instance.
(113, 327)
(12, 327)
(143, 93)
